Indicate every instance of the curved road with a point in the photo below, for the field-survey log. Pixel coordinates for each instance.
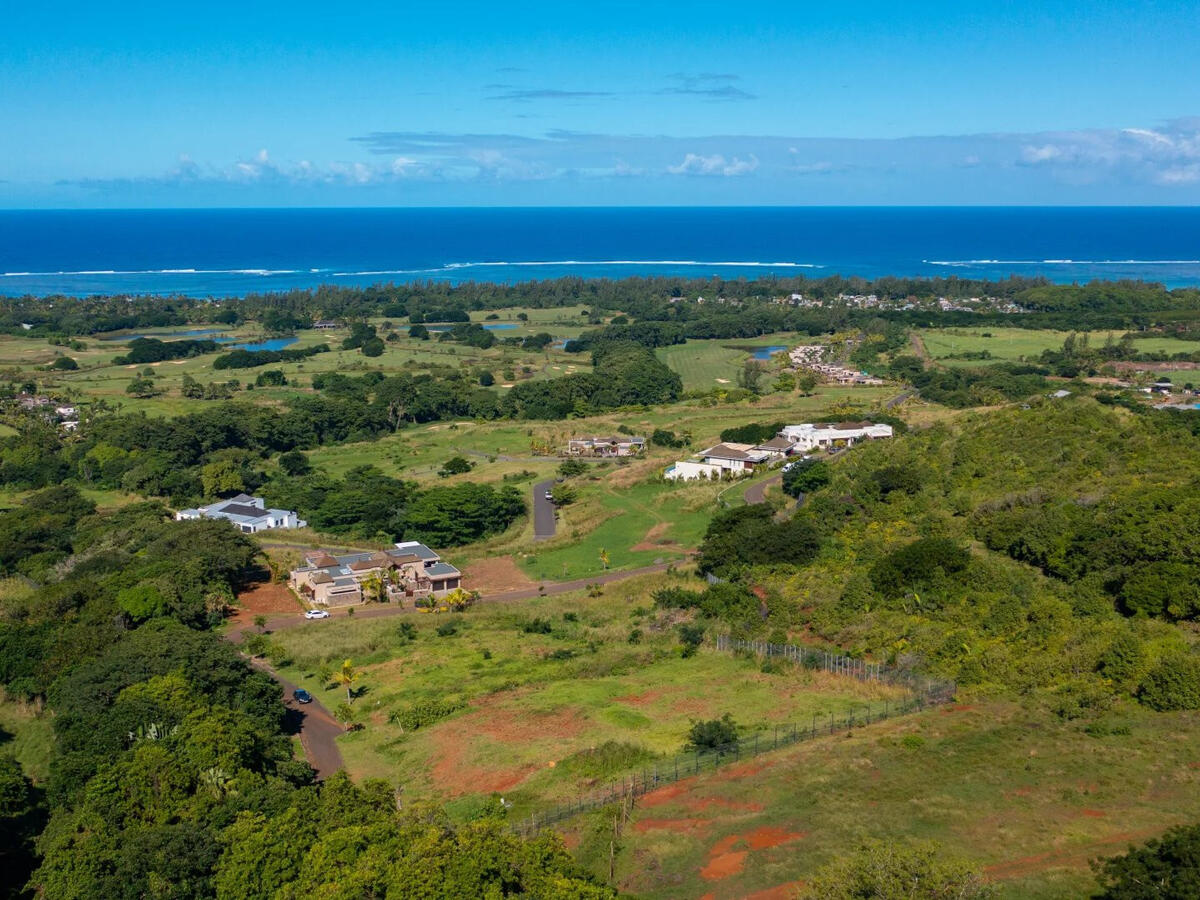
(317, 727)
(543, 511)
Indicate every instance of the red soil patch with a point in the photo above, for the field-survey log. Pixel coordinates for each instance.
(651, 540)
(1095, 813)
(456, 776)
(772, 836)
(759, 591)
(642, 699)
(496, 575)
(265, 598)
(724, 861)
(958, 707)
(663, 795)
(679, 826)
(784, 891)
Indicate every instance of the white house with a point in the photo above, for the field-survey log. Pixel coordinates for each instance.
(248, 514)
(685, 470)
(740, 459)
(825, 436)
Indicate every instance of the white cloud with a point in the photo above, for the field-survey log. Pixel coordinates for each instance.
(716, 164)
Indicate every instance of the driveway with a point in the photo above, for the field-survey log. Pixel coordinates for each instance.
(756, 493)
(317, 728)
(543, 511)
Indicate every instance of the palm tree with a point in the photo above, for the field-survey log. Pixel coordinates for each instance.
(373, 588)
(346, 676)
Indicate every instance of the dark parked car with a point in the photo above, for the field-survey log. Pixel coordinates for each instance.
(300, 695)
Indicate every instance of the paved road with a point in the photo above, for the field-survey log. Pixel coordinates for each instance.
(543, 511)
(317, 727)
(756, 493)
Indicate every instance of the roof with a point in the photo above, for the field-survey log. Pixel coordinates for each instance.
(439, 569)
(239, 509)
(732, 451)
(776, 443)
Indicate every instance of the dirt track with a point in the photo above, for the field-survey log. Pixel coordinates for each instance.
(317, 727)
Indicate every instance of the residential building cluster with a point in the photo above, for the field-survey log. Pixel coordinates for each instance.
(410, 570)
(64, 415)
(809, 356)
(733, 460)
(606, 446)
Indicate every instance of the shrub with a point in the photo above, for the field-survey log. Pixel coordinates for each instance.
(606, 760)
(713, 734)
(1173, 684)
(424, 713)
(663, 438)
(536, 626)
(917, 564)
(890, 479)
(1166, 868)
(806, 476)
(691, 637)
(449, 628)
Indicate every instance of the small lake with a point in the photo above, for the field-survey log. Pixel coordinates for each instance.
(767, 352)
(272, 344)
(489, 326)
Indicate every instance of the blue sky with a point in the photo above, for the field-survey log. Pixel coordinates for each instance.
(396, 104)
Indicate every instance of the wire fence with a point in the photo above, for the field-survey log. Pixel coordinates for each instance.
(926, 693)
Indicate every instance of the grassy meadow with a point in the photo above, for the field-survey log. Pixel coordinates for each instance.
(1028, 797)
(535, 704)
(1027, 344)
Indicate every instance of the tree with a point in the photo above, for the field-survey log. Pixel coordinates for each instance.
(372, 347)
(346, 676)
(142, 388)
(64, 364)
(20, 821)
(260, 622)
(806, 382)
(806, 476)
(189, 387)
(750, 377)
(713, 734)
(420, 332)
(486, 378)
(1173, 684)
(455, 465)
(1166, 868)
(891, 871)
(224, 476)
(604, 559)
(295, 463)
(564, 494)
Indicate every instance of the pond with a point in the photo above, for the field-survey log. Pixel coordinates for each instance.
(767, 352)
(271, 344)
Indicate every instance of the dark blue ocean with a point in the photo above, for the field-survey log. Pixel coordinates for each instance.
(225, 252)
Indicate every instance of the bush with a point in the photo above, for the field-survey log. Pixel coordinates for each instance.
(691, 637)
(712, 735)
(449, 628)
(536, 626)
(606, 760)
(917, 564)
(663, 438)
(890, 871)
(64, 364)
(1173, 684)
(455, 465)
(1166, 868)
(806, 476)
(424, 713)
(406, 631)
(890, 479)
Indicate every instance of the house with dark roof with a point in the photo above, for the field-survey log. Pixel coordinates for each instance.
(248, 514)
(408, 570)
(740, 459)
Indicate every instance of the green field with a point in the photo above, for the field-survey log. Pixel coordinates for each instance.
(708, 364)
(533, 701)
(28, 735)
(1030, 798)
(1024, 344)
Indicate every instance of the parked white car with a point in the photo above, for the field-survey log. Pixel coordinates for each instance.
(316, 614)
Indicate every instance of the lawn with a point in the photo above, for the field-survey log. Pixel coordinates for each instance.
(533, 701)
(1016, 344)
(713, 363)
(1027, 796)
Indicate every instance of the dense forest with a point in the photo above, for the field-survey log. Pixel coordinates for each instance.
(172, 772)
(747, 306)
(1047, 549)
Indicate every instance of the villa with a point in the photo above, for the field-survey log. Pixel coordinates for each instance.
(248, 514)
(606, 446)
(410, 570)
(740, 459)
(827, 436)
